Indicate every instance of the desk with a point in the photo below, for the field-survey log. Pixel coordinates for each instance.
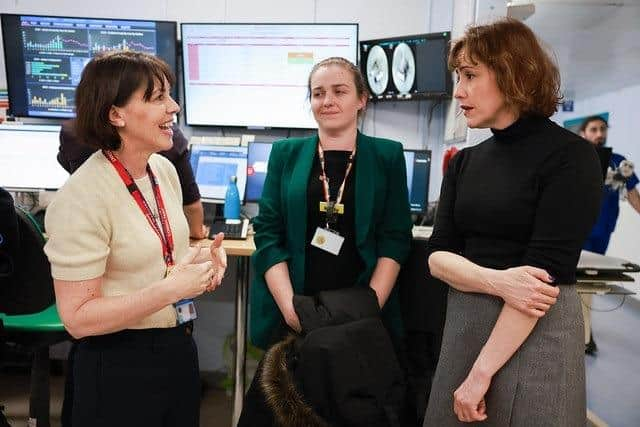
(242, 249)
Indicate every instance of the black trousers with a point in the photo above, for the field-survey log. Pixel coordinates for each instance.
(146, 377)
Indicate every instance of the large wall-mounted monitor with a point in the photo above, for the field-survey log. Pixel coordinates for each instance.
(418, 169)
(255, 75)
(45, 56)
(214, 165)
(28, 158)
(407, 68)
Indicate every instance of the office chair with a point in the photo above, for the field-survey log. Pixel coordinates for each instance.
(28, 310)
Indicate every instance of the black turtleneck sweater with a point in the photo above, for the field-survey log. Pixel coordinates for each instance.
(529, 195)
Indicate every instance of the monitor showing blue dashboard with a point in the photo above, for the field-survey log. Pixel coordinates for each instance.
(45, 56)
(213, 166)
(418, 169)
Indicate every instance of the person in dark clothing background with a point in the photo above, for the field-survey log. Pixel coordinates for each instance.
(595, 129)
(514, 212)
(73, 152)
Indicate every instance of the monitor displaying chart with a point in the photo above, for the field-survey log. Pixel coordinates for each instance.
(45, 56)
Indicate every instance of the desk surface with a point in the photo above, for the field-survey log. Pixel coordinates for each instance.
(233, 247)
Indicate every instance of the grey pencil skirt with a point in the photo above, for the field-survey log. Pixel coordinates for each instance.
(543, 384)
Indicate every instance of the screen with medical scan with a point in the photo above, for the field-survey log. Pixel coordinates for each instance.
(28, 158)
(45, 56)
(255, 75)
(213, 166)
(418, 169)
(407, 68)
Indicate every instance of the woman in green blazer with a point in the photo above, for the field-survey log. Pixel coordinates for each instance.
(382, 218)
(334, 213)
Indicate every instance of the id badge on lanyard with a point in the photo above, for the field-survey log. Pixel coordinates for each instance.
(185, 309)
(325, 238)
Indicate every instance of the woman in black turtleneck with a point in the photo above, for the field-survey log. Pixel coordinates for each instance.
(514, 211)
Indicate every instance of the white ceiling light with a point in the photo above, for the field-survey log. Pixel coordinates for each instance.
(520, 11)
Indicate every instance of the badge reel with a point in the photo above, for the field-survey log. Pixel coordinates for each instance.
(185, 311)
(324, 238)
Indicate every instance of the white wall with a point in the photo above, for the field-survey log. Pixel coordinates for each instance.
(624, 138)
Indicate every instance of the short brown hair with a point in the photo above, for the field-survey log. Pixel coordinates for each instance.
(358, 79)
(525, 73)
(110, 80)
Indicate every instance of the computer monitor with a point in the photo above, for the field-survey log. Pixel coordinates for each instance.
(45, 56)
(257, 162)
(407, 68)
(28, 158)
(418, 169)
(214, 165)
(255, 75)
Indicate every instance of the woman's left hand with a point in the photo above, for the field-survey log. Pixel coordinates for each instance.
(468, 400)
(219, 258)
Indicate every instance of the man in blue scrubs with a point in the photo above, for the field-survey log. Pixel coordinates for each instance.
(594, 129)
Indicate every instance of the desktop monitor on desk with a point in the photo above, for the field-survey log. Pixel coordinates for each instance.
(418, 169)
(214, 165)
(257, 162)
(28, 158)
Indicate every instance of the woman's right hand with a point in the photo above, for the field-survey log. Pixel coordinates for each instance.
(526, 289)
(189, 279)
(291, 317)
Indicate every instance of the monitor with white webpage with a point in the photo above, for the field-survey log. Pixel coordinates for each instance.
(28, 157)
(255, 75)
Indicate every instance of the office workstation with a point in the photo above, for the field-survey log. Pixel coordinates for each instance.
(241, 83)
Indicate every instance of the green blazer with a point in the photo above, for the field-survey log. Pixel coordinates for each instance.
(382, 220)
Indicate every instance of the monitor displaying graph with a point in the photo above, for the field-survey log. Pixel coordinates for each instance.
(45, 55)
(255, 75)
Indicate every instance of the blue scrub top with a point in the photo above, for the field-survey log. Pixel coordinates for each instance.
(610, 203)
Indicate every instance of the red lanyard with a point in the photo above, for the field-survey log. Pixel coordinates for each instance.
(325, 181)
(166, 238)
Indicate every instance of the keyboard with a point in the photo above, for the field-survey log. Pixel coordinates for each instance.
(232, 229)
